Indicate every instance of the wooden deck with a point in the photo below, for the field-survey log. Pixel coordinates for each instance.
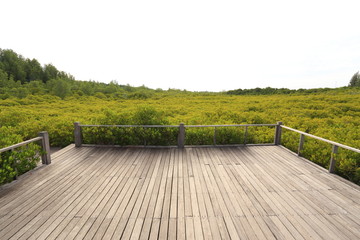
(257, 192)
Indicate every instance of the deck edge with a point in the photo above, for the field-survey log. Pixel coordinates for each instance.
(343, 180)
(54, 156)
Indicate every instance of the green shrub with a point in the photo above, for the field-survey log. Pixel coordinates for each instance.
(18, 161)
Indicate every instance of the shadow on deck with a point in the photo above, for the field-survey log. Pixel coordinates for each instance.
(256, 192)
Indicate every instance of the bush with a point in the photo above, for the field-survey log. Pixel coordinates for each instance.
(18, 161)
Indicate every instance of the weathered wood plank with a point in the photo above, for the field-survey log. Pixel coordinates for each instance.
(257, 192)
(44, 201)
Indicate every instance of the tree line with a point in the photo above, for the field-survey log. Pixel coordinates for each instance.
(273, 91)
(25, 70)
(354, 82)
(21, 77)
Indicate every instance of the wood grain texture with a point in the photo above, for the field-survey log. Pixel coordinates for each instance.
(254, 192)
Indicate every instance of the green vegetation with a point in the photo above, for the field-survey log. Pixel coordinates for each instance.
(332, 116)
(18, 161)
(21, 77)
(49, 100)
(355, 80)
(272, 91)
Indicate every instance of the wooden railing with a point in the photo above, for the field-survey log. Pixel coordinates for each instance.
(182, 138)
(44, 142)
(182, 130)
(335, 145)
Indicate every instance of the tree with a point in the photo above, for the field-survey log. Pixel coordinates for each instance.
(13, 64)
(355, 80)
(34, 70)
(3, 77)
(35, 87)
(50, 72)
(7, 83)
(59, 87)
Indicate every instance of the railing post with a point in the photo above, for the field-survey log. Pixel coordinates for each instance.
(214, 135)
(277, 139)
(245, 135)
(77, 133)
(301, 144)
(15, 167)
(181, 136)
(45, 143)
(333, 160)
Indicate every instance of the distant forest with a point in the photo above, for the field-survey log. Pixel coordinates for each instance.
(21, 77)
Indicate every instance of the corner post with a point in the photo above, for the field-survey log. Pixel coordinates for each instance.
(45, 144)
(332, 160)
(181, 136)
(277, 139)
(77, 133)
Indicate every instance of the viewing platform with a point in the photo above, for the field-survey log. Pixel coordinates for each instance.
(254, 192)
(182, 192)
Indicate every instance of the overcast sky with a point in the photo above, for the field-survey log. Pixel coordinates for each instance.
(194, 45)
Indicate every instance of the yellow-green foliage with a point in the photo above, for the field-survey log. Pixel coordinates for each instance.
(332, 115)
(18, 161)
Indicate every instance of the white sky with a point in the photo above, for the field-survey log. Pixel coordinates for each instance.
(194, 45)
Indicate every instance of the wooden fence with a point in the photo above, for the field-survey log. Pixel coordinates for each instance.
(182, 135)
(181, 139)
(44, 142)
(335, 145)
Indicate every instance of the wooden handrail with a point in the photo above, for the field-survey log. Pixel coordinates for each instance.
(323, 139)
(20, 144)
(177, 126)
(227, 125)
(335, 146)
(233, 125)
(129, 126)
(181, 127)
(43, 137)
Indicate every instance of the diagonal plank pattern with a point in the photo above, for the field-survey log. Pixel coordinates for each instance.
(255, 192)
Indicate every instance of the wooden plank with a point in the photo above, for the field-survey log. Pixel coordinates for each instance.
(156, 210)
(35, 183)
(194, 193)
(225, 203)
(73, 207)
(93, 201)
(174, 197)
(180, 198)
(251, 227)
(40, 206)
(90, 233)
(148, 225)
(165, 213)
(95, 218)
(154, 233)
(116, 212)
(132, 209)
(299, 210)
(43, 184)
(81, 209)
(189, 223)
(78, 215)
(263, 193)
(218, 227)
(314, 218)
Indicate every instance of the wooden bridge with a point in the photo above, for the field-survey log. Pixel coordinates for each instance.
(244, 192)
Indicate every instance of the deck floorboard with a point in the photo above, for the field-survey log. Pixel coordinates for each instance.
(254, 192)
